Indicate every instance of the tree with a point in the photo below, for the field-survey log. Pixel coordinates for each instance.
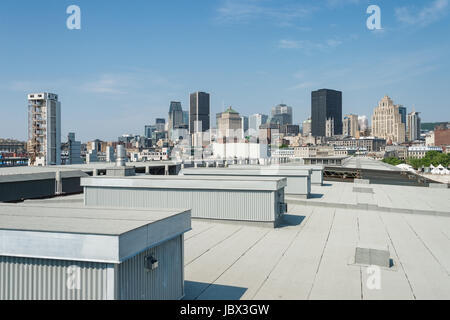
(393, 161)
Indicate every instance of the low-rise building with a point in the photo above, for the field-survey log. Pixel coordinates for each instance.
(419, 152)
(370, 143)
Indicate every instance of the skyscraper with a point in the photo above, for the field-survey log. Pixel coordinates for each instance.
(175, 116)
(229, 124)
(186, 118)
(414, 123)
(160, 125)
(282, 115)
(387, 121)
(244, 120)
(199, 112)
(403, 113)
(74, 150)
(44, 129)
(306, 130)
(326, 104)
(255, 121)
(351, 126)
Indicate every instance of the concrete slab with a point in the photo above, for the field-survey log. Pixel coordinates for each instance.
(425, 274)
(336, 279)
(294, 275)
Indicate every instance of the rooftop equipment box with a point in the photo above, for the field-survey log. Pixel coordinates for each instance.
(316, 170)
(298, 182)
(61, 253)
(16, 187)
(256, 199)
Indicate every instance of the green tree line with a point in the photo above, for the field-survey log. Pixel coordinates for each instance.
(434, 158)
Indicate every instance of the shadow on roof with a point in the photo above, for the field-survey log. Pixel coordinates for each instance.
(291, 220)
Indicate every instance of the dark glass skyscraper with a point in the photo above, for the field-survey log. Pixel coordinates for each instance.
(326, 104)
(199, 111)
(403, 112)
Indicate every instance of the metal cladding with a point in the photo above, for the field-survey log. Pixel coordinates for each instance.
(16, 187)
(121, 156)
(298, 182)
(316, 170)
(91, 253)
(256, 199)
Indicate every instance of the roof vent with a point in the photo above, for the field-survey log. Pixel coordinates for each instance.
(121, 156)
(373, 256)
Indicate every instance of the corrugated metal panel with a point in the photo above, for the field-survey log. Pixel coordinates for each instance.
(163, 283)
(209, 204)
(26, 190)
(39, 279)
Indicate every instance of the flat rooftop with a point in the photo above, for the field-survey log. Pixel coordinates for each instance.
(79, 220)
(311, 257)
(368, 163)
(86, 234)
(188, 182)
(83, 167)
(386, 197)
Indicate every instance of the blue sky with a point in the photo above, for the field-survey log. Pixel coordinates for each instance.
(131, 58)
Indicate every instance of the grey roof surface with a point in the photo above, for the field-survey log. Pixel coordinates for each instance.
(83, 167)
(86, 234)
(189, 182)
(384, 196)
(49, 175)
(82, 220)
(368, 163)
(263, 171)
(311, 257)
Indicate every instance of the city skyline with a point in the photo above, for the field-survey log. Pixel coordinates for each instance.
(108, 89)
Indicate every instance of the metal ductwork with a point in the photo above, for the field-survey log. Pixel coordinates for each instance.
(121, 156)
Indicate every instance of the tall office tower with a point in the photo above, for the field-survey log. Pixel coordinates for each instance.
(387, 121)
(186, 118)
(199, 112)
(282, 115)
(110, 156)
(307, 127)
(244, 121)
(74, 150)
(414, 123)
(160, 125)
(403, 113)
(229, 124)
(255, 121)
(44, 129)
(363, 123)
(329, 127)
(326, 104)
(350, 126)
(148, 131)
(175, 116)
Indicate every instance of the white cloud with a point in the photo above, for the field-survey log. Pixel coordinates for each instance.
(108, 84)
(424, 16)
(334, 3)
(243, 11)
(309, 46)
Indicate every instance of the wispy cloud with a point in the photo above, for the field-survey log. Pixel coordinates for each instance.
(335, 3)
(423, 16)
(124, 83)
(108, 84)
(244, 11)
(361, 75)
(309, 46)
